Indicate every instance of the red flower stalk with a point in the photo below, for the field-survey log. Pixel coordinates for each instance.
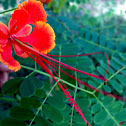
(36, 44)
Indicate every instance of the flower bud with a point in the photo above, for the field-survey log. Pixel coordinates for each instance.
(45, 1)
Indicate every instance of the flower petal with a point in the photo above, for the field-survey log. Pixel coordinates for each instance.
(42, 38)
(7, 59)
(1, 50)
(3, 34)
(18, 20)
(19, 51)
(25, 31)
(35, 10)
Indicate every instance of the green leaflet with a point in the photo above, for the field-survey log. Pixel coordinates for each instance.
(28, 86)
(30, 102)
(21, 113)
(53, 114)
(100, 117)
(12, 122)
(11, 86)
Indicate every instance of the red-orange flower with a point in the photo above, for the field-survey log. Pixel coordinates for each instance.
(41, 38)
(20, 34)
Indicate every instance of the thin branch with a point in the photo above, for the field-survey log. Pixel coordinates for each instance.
(74, 100)
(8, 11)
(109, 78)
(106, 110)
(46, 74)
(40, 108)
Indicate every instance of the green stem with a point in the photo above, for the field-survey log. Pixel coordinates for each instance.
(74, 100)
(49, 94)
(105, 48)
(106, 110)
(35, 66)
(43, 73)
(106, 27)
(8, 99)
(40, 108)
(18, 97)
(59, 58)
(33, 72)
(110, 78)
(8, 10)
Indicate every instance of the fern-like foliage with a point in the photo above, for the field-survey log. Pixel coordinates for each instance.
(33, 98)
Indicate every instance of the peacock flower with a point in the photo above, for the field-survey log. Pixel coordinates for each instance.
(41, 38)
(36, 43)
(28, 42)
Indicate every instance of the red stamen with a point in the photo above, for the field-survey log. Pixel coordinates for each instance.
(66, 93)
(34, 52)
(108, 63)
(72, 68)
(87, 85)
(36, 56)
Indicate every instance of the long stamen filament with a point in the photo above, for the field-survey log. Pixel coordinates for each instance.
(32, 51)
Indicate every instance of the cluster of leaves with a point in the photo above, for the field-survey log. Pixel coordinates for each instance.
(32, 98)
(8, 3)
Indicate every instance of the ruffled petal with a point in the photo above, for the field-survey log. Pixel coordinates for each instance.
(19, 19)
(7, 59)
(25, 31)
(42, 38)
(1, 50)
(3, 34)
(3, 30)
(19, 51)
(35, 10)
